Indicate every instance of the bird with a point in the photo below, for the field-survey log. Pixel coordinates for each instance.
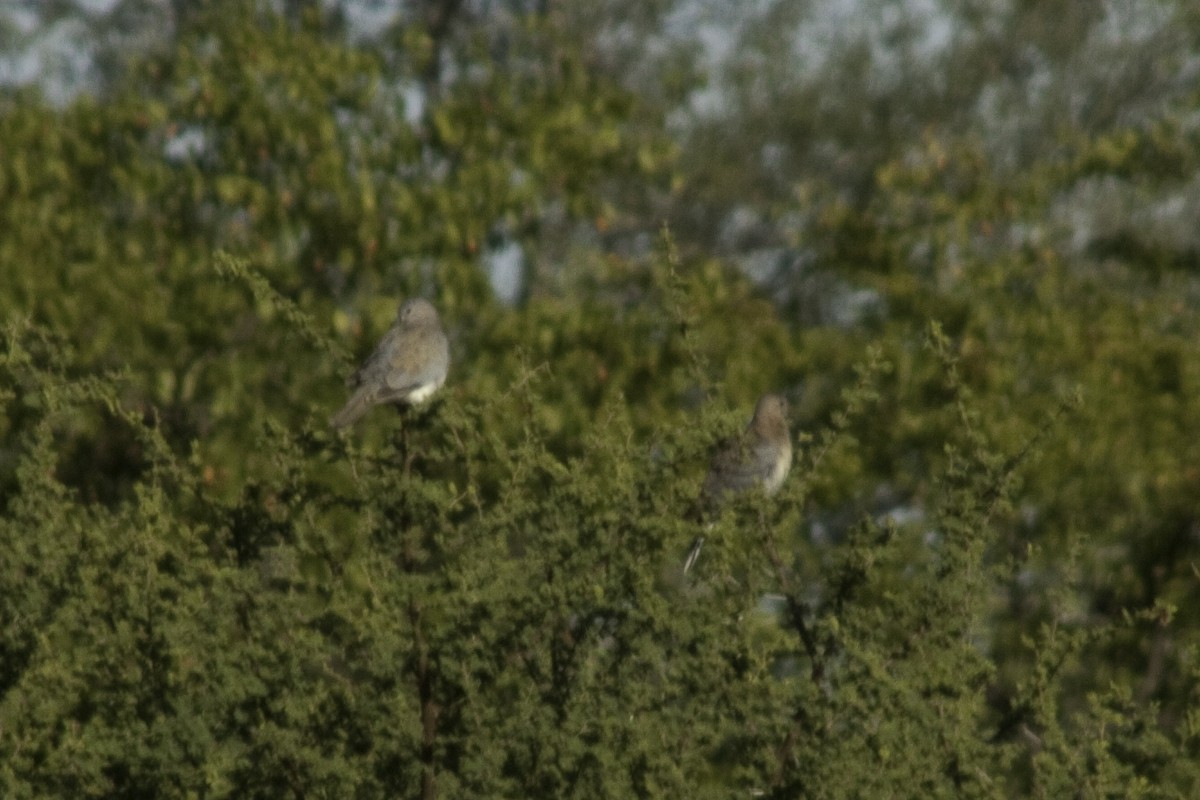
(408, 365)
(760, 456)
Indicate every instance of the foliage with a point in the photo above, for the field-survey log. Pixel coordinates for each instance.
(978, 580)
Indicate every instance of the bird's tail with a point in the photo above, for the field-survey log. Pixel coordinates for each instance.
(693, 554)
(355, 407)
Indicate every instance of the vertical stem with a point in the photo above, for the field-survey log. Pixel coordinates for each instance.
(401, 440)
(429, 709)
(425, 677)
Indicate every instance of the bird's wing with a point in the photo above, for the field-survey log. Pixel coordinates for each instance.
(408, 368)
(740, 464)
(404, 368)
(374, 370)
(733, 469)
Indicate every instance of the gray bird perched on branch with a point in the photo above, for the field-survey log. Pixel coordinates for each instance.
(760, 456)
(408, 366)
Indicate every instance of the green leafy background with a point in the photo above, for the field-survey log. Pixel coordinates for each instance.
(980, 579)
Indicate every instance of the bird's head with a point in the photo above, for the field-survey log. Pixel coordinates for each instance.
(417, 312)
(771, 412)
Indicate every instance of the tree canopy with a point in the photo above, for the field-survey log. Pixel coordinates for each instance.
(958, 238)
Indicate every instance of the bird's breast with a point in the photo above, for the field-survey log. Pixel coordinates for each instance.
(779, 471)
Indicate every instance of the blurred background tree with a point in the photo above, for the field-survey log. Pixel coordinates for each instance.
(959, 235)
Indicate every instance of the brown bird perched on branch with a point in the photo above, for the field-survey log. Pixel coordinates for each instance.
(409, 364)
(759, 456)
